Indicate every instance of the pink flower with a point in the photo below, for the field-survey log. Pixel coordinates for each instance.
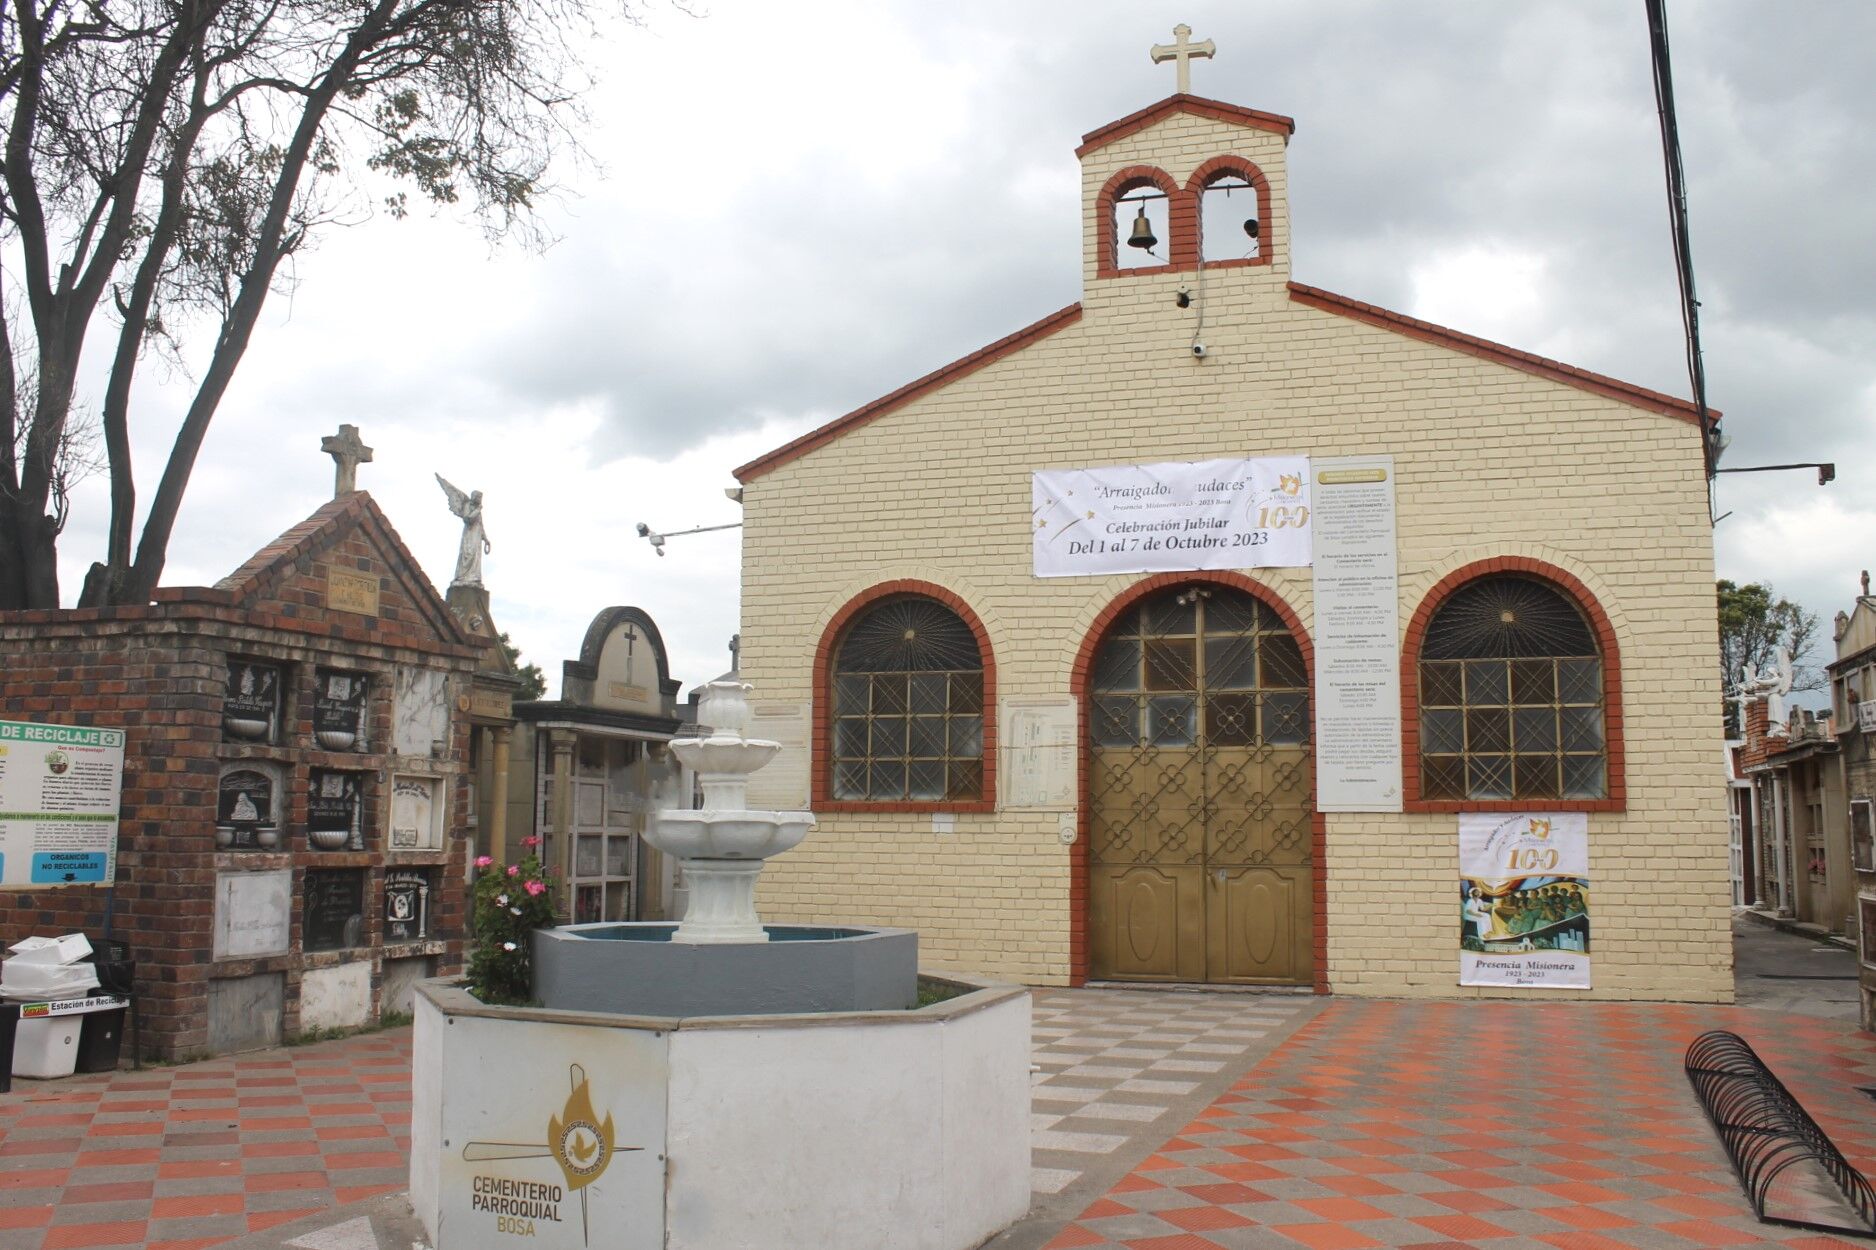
(483, 861)
(530, 841)
(535, 887)
(514, 870)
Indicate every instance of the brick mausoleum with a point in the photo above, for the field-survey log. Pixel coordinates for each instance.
(290, 854)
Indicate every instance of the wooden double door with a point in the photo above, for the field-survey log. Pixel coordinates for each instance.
(1200, 797)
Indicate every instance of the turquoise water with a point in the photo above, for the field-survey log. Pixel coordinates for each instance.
(663, 932)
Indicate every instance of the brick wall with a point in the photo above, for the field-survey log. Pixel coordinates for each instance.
(1498, 456)
(160, 674)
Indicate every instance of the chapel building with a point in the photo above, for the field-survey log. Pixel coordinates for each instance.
(1135, 775)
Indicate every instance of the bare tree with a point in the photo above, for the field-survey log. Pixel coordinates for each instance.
(1755, 625)
(165, 158)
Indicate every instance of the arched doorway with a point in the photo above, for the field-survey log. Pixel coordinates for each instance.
(1200, 793)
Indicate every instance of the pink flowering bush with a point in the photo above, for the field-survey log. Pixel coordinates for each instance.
(510, 903)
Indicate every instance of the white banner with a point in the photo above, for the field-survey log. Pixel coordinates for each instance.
(1171, 518)
(1524, 900)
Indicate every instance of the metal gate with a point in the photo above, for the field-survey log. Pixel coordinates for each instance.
(1200, 794)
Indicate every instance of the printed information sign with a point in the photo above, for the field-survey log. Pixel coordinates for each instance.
(1038, 743)
(59, 790)
(1524, 900)
(1171, 518)
(1358, 759)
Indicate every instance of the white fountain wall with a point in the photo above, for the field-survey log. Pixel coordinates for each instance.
(837, 1131)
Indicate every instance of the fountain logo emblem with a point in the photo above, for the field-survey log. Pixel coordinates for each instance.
(578, 1140)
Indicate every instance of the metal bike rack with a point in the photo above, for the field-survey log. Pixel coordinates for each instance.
(1766, 1132)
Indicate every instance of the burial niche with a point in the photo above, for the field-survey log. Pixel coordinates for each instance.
(339, 710)
(334, 810)
(250, 709)
(247, 807)
(414, 814)
(406, 905)
(335, 909)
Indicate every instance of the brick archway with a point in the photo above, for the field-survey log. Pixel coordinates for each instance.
(1081, 858)
(1571, 588)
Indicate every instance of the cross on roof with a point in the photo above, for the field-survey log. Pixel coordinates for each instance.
(348, 451)
(1182, 51)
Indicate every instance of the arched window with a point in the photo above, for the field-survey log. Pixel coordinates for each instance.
(908, 706)
(1511, 696)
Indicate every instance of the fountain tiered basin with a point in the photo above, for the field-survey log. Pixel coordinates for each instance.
(720, 1083)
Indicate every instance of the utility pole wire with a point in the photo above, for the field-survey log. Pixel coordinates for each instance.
(1677, 220)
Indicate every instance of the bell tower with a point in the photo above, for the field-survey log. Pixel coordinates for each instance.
(1188, 187)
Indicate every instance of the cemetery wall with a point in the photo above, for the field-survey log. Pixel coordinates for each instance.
(219, 931)
(1499, 456)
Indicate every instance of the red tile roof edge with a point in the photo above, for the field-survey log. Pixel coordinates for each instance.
(1276, 123)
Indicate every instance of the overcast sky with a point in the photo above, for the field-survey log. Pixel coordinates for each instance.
(795, 208)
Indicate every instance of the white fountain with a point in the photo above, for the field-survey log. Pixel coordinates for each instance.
(721, 848)
(722, 1084)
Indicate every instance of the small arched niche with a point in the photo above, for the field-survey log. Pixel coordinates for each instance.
(1231, 225)
(1143, 224)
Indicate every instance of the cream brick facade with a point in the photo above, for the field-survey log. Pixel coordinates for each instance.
(1492, 460)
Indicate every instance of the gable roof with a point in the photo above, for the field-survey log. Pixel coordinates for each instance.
(1498, 353)
(960, 368)
(1197, 106)
(1314, 297)
(273, 564)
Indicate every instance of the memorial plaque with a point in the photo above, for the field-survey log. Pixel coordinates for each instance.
(332, 810)
(339, 710)
(413, 813)
(406, 905)
(245, 809)
(335, 909)
(253, 913)
(250, 708)
(352, 592)
(420, 712)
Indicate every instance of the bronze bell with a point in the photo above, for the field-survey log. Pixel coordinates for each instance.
(1142, 236)
(1250, 226)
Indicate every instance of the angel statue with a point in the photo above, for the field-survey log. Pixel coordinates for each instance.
(475, 542)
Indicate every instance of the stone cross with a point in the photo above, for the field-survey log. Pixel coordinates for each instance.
(1182, 51)
(348, 451)
(736, 653)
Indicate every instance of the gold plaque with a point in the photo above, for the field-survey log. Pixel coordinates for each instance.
(352, 592)
(619, 690)
(1350, 477)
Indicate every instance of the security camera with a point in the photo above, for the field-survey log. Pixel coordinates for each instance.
(644, 530)
(1198, 351)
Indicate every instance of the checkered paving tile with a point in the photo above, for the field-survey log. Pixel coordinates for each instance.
(1111, 1064)
(1552, 1126)
(182, 1158)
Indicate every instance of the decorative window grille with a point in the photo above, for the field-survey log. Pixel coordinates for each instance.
(908, 703)
(1511, 703)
